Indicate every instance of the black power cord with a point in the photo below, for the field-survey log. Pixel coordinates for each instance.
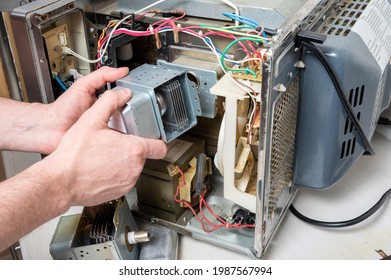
(384, 121)
(339, 88)
(346, 223)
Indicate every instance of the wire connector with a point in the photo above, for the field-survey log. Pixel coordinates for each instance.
(65, 50)
(310, 36)
(172, 169)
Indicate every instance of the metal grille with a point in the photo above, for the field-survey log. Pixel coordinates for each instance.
(379, 101)
(102, 228)
(175, 118)
(283, 144)
(341, 23)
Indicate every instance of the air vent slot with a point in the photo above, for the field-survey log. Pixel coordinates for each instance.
(341, 22)
(356, 99)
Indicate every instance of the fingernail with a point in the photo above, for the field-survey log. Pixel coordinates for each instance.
(122, 68)
(124, 91)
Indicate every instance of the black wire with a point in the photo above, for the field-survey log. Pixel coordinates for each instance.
(339, 88)
(384, 121)
(346, 223)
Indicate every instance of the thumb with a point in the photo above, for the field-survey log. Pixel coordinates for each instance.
(108, 103)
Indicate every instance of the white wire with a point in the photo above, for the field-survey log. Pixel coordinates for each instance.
(71, 52)
(122, 20)
(253, 97)
(106, 44)
(150, 6)
(242, 61)
(233, 6)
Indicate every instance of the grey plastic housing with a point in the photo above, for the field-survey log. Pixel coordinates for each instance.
(328, 144)
(145, 114)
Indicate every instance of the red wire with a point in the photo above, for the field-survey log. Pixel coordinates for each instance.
(204, 218)
(169, 19)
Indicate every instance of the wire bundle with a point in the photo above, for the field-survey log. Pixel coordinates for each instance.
(203, 219)
(248, 38)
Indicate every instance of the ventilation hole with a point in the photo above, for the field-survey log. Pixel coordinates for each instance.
(82, 256)
(339, 31)
(361, 95)
(352, 23)
(98, 250)
(346, 125)
(354, 145)
(351, 127)
(350, 5)
(347, 31)
(324, 29)
(356, 97)
(338, 21)
(346, 21)
(344, 13)
(358, 14)
(343, 149)
(351, 14)
(357, 6)
(363, 7)
(358, 115)
(331, 30)
(348, 147)
(351, 97)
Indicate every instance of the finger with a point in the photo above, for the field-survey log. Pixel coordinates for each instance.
(153, 149)
(99, 78)
(108, 103)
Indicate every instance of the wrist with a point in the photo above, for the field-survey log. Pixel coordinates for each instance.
(49, 183)
(25, 128)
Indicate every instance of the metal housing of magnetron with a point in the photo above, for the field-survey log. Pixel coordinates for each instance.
(301, 135)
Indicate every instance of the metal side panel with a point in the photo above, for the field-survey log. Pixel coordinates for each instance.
(280, 104)
(28, 24)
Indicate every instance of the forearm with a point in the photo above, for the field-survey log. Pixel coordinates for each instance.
(22, 126)
(30, 199)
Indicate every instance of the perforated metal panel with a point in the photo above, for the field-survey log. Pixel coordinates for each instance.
(341, 23)
(283, 144)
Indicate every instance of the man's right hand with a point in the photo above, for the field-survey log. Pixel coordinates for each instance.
(96, 163)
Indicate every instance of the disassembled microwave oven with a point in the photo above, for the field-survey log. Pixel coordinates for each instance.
(237, 90)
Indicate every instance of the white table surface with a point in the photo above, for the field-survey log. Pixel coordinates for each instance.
(360, 189)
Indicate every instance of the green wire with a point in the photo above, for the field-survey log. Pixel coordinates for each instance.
(231, 32)
(237, 27)
(246, 70)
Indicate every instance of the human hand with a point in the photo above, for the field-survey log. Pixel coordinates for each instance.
(98, 164)
(67, 109)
